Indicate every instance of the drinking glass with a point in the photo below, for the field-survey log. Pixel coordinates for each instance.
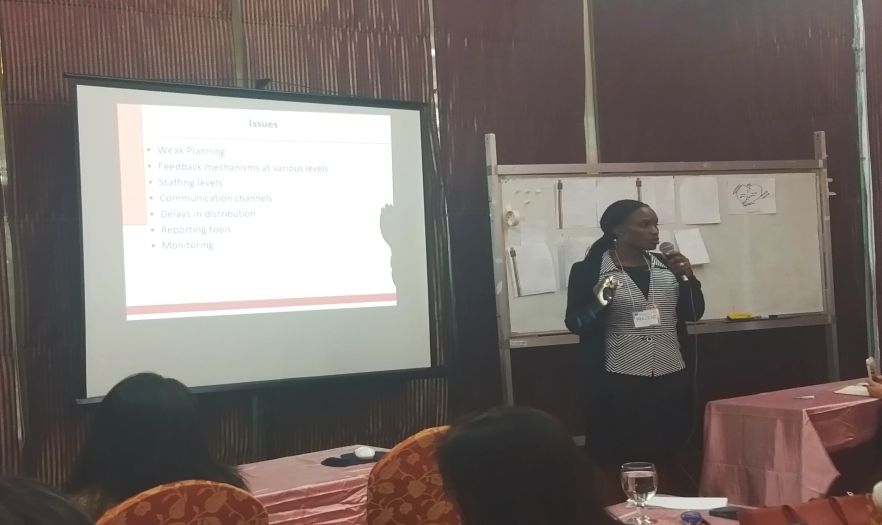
(640, 483)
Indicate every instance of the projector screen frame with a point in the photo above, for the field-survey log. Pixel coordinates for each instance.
(439, 333)
(253, 387)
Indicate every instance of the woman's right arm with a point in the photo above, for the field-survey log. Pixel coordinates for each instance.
(584, 311)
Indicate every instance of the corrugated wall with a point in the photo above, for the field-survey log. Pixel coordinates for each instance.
(366, 48)
(515, 68)
(40, 41)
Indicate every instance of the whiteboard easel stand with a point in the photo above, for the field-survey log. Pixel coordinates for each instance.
(820, 142)
(500, 276)
(817, 165)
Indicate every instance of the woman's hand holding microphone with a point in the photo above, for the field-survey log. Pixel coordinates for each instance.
(680, 265)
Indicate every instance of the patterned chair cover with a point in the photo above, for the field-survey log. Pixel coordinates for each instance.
(405, 486)
(188, 502)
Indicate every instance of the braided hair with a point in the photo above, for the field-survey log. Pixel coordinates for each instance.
(615, 215)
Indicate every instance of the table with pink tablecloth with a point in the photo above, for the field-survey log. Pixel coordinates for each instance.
(300, 490)
(774, 448)
(623, 512)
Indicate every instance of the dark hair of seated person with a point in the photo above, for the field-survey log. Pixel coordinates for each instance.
(519, 466)
(28, 502)
(146, 433)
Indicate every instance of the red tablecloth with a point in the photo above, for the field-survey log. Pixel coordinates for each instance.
(300, 490)
(774, 448)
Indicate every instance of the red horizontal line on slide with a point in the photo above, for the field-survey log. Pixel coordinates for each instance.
(261, 303)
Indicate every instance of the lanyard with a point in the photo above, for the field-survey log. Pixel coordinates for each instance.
(651, 294)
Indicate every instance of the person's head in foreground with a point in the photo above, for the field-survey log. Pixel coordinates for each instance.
(146, 433)
(27, 502)
(518, 466)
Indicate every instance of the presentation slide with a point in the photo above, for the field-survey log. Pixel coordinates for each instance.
(231, 239)
(233, 211)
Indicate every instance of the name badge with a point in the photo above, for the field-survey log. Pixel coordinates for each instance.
(647, 318)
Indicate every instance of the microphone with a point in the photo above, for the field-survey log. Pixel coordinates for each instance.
(668, 250)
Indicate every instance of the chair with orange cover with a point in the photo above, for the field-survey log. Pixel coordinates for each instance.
(405, 486)
(194, 502)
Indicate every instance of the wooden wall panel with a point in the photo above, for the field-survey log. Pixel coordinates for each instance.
(514, 68)
(186, 41)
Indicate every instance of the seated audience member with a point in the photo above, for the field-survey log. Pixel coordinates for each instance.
(518, 466)
(146, 433)
(26, 502)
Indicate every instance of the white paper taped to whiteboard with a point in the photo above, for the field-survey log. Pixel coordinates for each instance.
(666, 236)
(533, 269)
(612, 189)
(572, 251)
(751, 196)
(531, 233)
(699, 200)
(578, 202)
(658, 193)
(691, 244)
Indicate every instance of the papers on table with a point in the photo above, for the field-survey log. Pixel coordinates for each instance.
(855, 390)
(670, 502)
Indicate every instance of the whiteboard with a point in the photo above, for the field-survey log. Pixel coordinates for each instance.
(760, 264)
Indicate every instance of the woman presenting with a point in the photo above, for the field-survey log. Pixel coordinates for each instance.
(629, 307)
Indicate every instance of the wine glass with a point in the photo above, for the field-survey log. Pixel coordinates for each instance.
(640, 483)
